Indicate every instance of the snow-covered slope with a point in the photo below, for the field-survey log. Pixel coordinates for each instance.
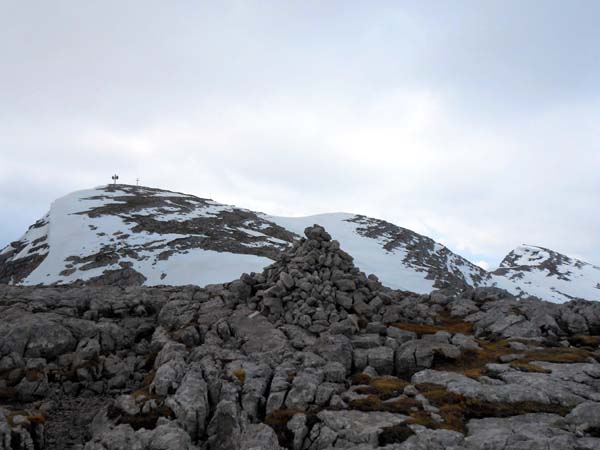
(129, 235)
(137, 235)
(543, 273)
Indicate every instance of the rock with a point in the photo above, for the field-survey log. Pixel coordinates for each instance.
(11, 361)
(120, 437)
(527, 431)
(401, 336)
(417, 355)
(359, 427)
(166, 436)
(34, 336)
(32, 387)
(127, 404)
(433, 440)
(382, 360)
(225, 428)
(5, 433)
(287, 280)
(326, 390)
(334, 372)
(464, 342)
(317, 233)
(336, 348)
(304, 388)
(241, 289)
(87, 349)
(367, 341)
(298, 428)
(346, 285)
(258, 437)
(190, 403)
(167, 377)
(585, 416)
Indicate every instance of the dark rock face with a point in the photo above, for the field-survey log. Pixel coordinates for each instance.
(423, 252)
(12, 269)
(310, 354)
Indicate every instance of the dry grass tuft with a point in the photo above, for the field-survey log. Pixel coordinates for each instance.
(585, 341)
(33, 418)
(444, 322)
(278, 420)
(388, 386)
(360, 378)
(420, 329)
(527, 367)
(368, 404)
(566, 355)
(291, 376)
(149, 377)
(34, 375)
(8, 393)
(456, 409)
(240, 375)
(438, 395)
(405, 405)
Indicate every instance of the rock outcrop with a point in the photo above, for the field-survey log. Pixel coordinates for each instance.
(310, 354)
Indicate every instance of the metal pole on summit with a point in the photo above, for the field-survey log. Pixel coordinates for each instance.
(115, 177)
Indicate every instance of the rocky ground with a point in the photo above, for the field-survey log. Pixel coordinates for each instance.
(310, 354)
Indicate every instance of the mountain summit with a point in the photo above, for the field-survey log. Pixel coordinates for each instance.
(547, 274)
(131, 235)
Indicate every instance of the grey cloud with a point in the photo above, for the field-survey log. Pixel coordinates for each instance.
(474, 123)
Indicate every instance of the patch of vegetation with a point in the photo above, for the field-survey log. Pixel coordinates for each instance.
(421, 329)
(367, 404)
(585, 341)
(34, 375)
(142, 395)
(240, 375)
(404, 405)
(377, 391)
(477, 409)
(139, 421)
(279, 419)
(565, 355)
(8, 393)
(527, 367)
(456, 409)
(149, 362)
(149, 377)
(388, 387)
(291, 376)
(33, 418)
(438, 395)
(472, 362)
(362, 323)
(366, 390)
(424, 419)
(360, 378)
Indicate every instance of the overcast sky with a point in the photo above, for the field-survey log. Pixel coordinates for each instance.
(476, 123)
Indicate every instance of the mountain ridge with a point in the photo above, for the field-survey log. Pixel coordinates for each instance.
(135, 235)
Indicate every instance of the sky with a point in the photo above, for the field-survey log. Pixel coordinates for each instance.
(473, 122)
